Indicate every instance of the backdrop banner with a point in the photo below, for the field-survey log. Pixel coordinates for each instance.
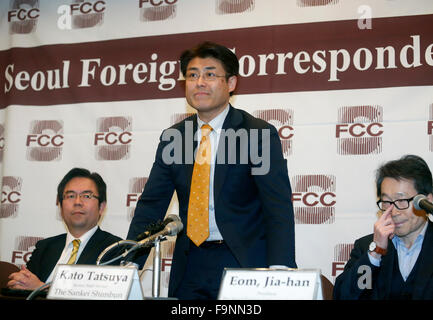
(348, 84)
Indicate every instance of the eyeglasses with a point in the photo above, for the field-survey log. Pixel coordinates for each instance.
(84, 196)
(400, 204)
(207, 76)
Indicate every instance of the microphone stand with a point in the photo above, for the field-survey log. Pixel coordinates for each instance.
(156, 275)
(36, 291)
(171, 228)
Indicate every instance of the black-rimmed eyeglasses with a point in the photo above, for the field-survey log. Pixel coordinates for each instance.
(400, 204)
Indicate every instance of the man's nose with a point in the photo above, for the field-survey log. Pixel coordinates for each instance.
(200, 81)
(394, 210)
(78, 201)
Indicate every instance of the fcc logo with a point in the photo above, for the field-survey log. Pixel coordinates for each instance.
(136, 186)
(359, 130)
(45, 140)
(113, 138)
(11, 196)
(157, 10)
(234, 6)
(87, 14)
(282, 119)
(341, 255)
(23, 16)
(24, 247)
(314, 198)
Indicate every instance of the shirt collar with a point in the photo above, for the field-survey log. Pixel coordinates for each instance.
(419, 239)
(83, 239)
(217, 122)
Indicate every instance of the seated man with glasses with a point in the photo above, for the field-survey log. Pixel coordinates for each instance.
(81, 196)
(396, 261)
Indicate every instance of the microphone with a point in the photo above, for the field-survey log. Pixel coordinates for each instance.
(171, 226)
(157, 227)
(171, 229)
(170, 218)
(420, 202)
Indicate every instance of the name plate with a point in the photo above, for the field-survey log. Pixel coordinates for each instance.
(270, 284)
(91, 282)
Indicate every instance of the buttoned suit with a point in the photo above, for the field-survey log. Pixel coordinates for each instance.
(48, 251)
(254, 213)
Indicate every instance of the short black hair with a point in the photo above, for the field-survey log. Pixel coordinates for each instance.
(213, 50)
(409, 167)
(83, 173)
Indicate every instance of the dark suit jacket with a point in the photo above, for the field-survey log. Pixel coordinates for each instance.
(346, 284)
(48, 251)
(254, 213)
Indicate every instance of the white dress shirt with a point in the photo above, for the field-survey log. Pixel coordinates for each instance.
(214, 136)
(67, 250)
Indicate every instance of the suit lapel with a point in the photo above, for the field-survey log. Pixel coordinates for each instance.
(53, 255)
(425, 263)
(233, 120)
(92, 247)
(386, 270)
(188, 157)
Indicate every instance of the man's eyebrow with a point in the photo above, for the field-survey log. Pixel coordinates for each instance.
(399, 194)
(205, 68)
(72, 191)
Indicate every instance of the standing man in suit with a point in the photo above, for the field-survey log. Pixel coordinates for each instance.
(82, 197)
(235, 185)
(396, 261)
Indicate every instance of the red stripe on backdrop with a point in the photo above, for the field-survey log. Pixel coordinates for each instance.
(300, 57)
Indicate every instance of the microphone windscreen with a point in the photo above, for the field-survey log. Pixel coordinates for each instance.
(151, 229)
(171, 218)
(174, 228)
(417, 200)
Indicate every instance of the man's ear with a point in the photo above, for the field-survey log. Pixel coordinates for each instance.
(232, 82)
(102, 206)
